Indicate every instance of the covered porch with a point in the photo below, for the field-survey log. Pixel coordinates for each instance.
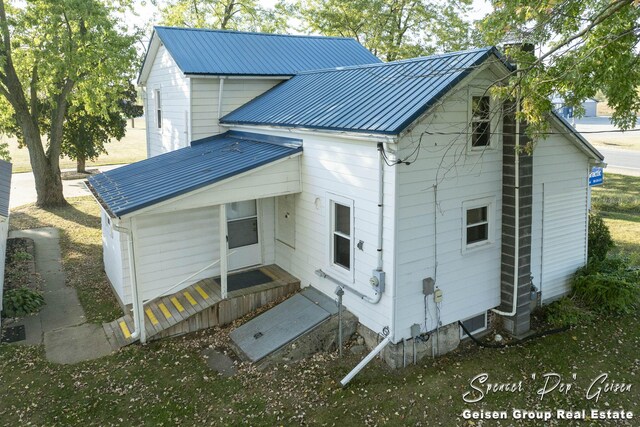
(196, 216)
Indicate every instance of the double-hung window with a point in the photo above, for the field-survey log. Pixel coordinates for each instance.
(158, 109)
(341, 252)
(477, 223)
(480, 121)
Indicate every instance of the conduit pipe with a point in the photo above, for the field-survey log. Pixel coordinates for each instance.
(359, 294)
(516, 250)
(365, 361)
(380, 204)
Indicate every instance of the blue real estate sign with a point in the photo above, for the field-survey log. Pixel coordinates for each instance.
(596, 176)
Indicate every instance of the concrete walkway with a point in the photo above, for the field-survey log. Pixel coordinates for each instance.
(61, 324)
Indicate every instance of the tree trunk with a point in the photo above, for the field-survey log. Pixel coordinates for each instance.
(47, 175)
(81, 164)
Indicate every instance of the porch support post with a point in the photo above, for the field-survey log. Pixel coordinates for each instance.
(223, 250)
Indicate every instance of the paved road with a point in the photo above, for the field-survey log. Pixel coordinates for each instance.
(619, 148)
(626, 162)
(23, 188)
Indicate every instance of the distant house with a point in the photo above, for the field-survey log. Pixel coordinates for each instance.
(397, 181)
(5, 190)
(589, 105)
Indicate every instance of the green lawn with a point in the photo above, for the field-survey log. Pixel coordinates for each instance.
(618, 201)
(168, 383)
(130, 149)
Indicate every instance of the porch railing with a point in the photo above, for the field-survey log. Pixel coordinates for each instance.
(166, 291)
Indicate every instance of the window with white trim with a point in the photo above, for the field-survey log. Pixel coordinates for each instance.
(341, 247)
(158, 109)
(480, 121)
(477, 223)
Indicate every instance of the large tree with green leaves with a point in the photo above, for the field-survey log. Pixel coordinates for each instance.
(85, 133)
(585, 48)
(53, 53)
(244, 15)
(391, 29)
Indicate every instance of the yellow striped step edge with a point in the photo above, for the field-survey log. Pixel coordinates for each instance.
(201, 291)
(177, 304)
(189, 298)
(125, 329)
(164, 310)
(151, 316)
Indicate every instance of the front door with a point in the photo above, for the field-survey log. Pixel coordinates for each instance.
(242, 232)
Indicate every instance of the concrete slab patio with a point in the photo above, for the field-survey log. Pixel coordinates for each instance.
(61, 324)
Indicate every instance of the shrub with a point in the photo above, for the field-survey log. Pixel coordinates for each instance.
(567, 312)
(21, 302)
(608, 286)
(600, 240)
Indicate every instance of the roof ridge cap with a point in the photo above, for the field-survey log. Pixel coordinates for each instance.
(255, 33)
(397, 62)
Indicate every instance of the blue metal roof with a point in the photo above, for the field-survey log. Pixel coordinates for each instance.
(207, 161)
(216, 52)
(377, 98)
(5, 187)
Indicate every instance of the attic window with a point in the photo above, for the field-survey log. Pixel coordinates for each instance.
(480, 121)
(158, 109)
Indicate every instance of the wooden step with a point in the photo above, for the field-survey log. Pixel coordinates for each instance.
(170, 310)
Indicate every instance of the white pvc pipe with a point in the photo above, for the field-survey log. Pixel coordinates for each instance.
(365, 361)
(359, 294)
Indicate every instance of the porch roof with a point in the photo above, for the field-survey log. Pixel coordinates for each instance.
(207, 161)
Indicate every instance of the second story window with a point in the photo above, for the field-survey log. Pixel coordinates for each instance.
(480, 121)
(158, 109)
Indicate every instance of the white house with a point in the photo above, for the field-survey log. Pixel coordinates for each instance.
(399, 182)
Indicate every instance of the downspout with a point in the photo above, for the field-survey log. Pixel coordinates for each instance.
(139, 331)
(220, 91)
(516, 261)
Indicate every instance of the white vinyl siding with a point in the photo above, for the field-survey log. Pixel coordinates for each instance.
(112, 255)
(167, 80)
(559, 217)
(331, 164)
(430, 195)
(204, 101)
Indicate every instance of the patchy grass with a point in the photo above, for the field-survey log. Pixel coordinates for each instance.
(168, 382)
(618, 201)
(131, 148)
(81, 245)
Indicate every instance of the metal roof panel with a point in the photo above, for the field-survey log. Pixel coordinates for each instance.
(5, 187)
(375, 98)
(207, 161)
(218, 52)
